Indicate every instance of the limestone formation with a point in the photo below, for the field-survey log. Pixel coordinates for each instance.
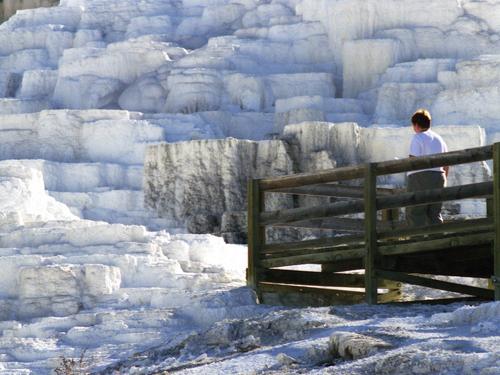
(195, 183)
(87, 86)
(202, 184)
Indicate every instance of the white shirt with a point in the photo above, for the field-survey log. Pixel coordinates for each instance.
(427, 143)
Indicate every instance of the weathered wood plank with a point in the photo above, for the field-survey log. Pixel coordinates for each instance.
(470, 261)
(383, 168)
(436, 244)
(490, 208)
(343, 265)
(436, 284)
(312, 278)
(333, 190)
(336, 223)
(337, 244)
(326, 190)
(346, 280)
(437, 160)
(312, 244)
(318, 177)
(339, 224)
(289, 295)
(496, 215)
(440, 301)
(390, 219)
(313, 258)
(305, 213)
(370, 200)
(476, 190)
(450, 227)
(323, 250)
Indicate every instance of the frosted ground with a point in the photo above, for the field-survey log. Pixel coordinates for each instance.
(87, 86)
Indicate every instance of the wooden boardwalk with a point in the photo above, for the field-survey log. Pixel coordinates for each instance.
(378, 251)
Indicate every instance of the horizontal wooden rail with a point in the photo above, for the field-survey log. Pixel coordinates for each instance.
(465, 261)
(343, 265)
(314, 258)
(320, 279)
(477, 190)
(332, 190)
(311, 244)
(338, 223)
(436, 284)
(449, 227)
(300, 295)
(435, 244)
(433, 161)
(319, 177)
(282, 254)
(481, 229)
(304, 213)
(381, 168)
(480, 189)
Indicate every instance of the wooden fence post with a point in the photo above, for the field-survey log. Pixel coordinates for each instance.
(370, 198)
(490, 213)
(256, 233)
(496, 214)
(390, 216)
(489, 207)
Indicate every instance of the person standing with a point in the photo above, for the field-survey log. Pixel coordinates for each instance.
(425, 142)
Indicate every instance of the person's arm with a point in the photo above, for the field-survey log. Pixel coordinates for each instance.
(446, 167)
(414, 148)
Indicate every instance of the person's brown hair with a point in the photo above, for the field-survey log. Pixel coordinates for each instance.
(422, 118)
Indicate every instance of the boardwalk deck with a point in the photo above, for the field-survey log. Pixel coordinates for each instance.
(379, 252)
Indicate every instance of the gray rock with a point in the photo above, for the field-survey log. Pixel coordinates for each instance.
(195, 183)
(350, 345)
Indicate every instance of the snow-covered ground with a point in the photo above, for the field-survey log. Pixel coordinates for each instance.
(86, 87)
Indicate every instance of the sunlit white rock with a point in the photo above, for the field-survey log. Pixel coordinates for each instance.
(23, 197)
(38, 83)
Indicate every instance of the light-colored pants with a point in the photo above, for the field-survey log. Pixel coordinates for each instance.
(426, 214)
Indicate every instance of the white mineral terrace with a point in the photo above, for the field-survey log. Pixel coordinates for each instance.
(95, 254)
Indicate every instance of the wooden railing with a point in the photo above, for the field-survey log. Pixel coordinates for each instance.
(386, 250)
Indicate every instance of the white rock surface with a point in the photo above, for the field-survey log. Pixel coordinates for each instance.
(64, 288)
(24, 199)
(91, 160)
(106, 284)
(391, 56)
(205, 70)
